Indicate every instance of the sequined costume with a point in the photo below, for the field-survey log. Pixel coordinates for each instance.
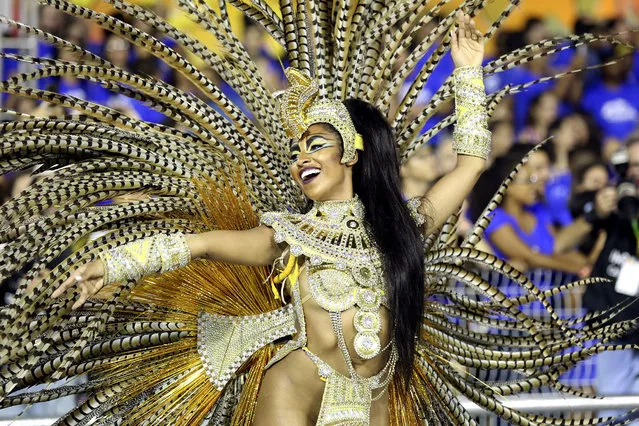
(190, 346)
(344, 270)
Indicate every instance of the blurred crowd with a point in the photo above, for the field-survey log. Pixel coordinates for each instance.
(588, 121)
(591, 116)
(560, 207)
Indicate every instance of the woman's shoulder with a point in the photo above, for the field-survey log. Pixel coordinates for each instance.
(499, 218)
(284, 224)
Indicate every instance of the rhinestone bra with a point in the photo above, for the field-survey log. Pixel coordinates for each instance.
(344, 265)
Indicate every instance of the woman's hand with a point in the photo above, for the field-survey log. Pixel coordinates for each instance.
(467, 42)
(88, 277)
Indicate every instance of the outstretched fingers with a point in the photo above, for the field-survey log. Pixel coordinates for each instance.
(88, 278)
(454, 40)
(460, 19)
(88, 289)
(74, 278)
(466, 29)
(475, 34)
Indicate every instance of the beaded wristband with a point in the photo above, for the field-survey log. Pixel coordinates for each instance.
(160, 253)
(471, 136)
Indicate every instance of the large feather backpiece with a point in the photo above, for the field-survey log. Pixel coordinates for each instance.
(219, 170)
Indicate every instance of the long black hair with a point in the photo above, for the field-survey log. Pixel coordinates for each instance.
(377, 183)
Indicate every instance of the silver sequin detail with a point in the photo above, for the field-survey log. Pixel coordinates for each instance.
(471, 136)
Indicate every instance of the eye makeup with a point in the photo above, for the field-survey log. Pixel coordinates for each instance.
(294, 152)
(315, 143)
(311, 144)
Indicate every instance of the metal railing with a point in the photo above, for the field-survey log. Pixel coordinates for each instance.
(560, 404)
(567, 305)
(555, 405)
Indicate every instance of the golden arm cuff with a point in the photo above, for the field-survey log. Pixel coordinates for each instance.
(471, 136)
(160, 253)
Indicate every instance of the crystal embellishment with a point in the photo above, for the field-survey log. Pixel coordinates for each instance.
(344, 264)
(368, 299)
(365, 275)
(471, 135)
(367, 345)
(367, 321)
(225, 343)
(333, 290)
(296, 251)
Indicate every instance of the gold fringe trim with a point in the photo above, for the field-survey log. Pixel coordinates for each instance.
(179, 296)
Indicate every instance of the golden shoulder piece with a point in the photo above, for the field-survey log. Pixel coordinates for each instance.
(300, 108)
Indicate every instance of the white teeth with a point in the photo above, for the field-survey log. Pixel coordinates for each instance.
(308, 172)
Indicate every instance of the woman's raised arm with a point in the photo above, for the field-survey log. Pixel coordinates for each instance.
(471, 138)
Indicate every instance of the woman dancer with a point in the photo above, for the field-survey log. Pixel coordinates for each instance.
(362, 321)
(207, 341)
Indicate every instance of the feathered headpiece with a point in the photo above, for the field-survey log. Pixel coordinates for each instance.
(138, 346)
(300, 108)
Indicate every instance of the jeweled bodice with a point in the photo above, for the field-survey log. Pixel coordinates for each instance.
(332, 232)
(344, 265)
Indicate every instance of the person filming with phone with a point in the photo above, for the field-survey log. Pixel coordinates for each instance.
(618, 372)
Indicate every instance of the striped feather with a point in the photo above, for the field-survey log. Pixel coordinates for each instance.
(138, 342)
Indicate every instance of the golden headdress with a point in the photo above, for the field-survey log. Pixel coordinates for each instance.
(300, 108)
(139, 345)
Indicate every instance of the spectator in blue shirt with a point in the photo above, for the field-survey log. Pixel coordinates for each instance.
(567, 90)
(614, 102)
(520, 230)
(557, 189)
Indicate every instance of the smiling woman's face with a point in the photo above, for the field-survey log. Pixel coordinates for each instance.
(316, 166)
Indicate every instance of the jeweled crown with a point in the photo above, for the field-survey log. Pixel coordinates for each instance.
(300, 108)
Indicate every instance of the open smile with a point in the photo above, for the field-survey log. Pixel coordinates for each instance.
(308, 174)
